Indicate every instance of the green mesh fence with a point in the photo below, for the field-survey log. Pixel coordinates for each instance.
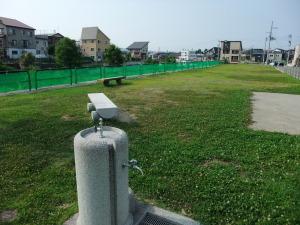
(13, 81)
(28, 80)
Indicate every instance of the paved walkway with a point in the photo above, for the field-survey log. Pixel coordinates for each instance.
(276, 112)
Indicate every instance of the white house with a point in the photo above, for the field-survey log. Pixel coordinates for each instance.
(274, 56)
(187, 55)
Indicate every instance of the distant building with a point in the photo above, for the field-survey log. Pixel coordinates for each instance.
(54, 38)
(41, 46)
(16, 38)
(231, 51)
(160, 56)
(274, 56)
(254, 55)
(187, 55)
(139, 50)
(93, 43)
(213, 53)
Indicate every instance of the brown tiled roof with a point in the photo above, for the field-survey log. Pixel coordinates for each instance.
(14, 23)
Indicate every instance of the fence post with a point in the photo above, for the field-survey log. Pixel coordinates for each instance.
(29, 80)
(140, 68)
(164, 67)
(35, 79)
(71, 76)
(75, 75)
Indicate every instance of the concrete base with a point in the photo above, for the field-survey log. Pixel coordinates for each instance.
(139, 211)
(276, 112)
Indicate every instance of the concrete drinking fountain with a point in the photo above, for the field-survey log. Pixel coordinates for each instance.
(101, 161)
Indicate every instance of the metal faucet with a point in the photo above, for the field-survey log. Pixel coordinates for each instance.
(133, 163)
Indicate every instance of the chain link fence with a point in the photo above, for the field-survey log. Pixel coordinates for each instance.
(293, 71)
(30, 80)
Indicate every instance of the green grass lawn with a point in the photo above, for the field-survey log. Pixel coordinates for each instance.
(191, 139)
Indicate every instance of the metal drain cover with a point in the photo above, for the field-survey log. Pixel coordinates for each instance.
(151, 219)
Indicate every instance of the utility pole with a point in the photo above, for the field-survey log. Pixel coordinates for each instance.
(271, 38)
(265, 50)
(290, 43)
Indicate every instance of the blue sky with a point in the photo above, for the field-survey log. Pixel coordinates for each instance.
(167, 24)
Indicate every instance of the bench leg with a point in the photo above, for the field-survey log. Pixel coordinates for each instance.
(119, 81)
(106, 82)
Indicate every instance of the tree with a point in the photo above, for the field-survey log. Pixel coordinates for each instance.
(170, 59)
(26, 61)
(199, 51)
(67, 54)
(51, 50)
(149, 60)
(113, 56)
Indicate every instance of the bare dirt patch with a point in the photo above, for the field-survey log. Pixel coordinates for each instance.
(8, 215)
(212, 162)
(68, 118)
(126, 117)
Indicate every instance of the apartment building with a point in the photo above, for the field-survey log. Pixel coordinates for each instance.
(41, 46)
(231, 51)
(16, 38)
(93, 43)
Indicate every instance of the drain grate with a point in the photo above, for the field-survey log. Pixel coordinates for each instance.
(151, 219)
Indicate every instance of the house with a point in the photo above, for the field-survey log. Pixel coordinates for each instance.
(16, 38)
(254, 55)
(41, 46)
(187, 55)
(231, 51)
(139, 50)
(93, 43)
(274, 56)
(53, 38)
(212, 54)
(161, 56)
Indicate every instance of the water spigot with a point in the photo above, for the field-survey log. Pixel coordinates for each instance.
(133, 163)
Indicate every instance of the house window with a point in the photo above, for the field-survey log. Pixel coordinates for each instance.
(14, 43)
(235, 51)
(84, 41)
(1, 30)
(92, 49)
(37, 42)
(25, 44)
(14, 52)
(234, 58)
(99, 41)
(38, 52)
(92, 41)
(10, 31)
(1, 43)
(23, 32)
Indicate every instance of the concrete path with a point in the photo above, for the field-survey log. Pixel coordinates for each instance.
(276, 112)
